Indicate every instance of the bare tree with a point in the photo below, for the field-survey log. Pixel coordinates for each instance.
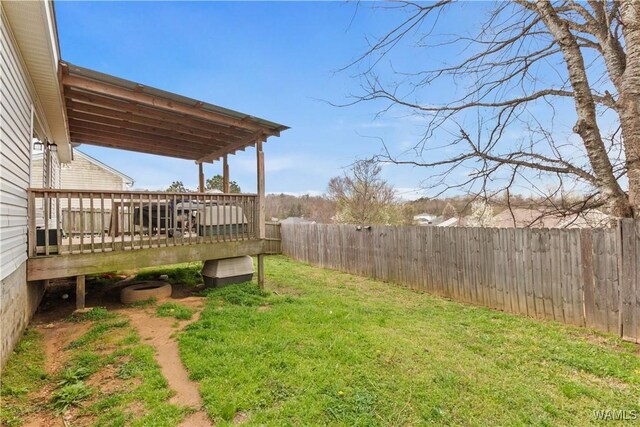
(363, 197)
(528, 60)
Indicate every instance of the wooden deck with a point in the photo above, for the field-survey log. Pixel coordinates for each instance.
(86, 244)
(107, 232)
(67, 265)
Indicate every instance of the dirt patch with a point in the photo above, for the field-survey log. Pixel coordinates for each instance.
(42, 420)
(106, 380)
(158, 332)
(56, 337)
(59, 301)
(197, 419)
(240, 418)
(51, 321)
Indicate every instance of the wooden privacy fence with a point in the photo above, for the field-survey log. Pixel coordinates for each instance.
(272, 236)
(585, 277)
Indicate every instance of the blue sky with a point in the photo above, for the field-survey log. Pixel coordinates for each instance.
(276, 60)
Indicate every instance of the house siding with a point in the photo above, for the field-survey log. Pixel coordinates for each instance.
(82, 174)
(18, 298)
(15, 127)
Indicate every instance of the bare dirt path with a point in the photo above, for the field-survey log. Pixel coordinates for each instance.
(157, 332)
(56, 337)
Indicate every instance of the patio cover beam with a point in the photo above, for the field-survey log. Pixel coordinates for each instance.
(108, 111)
(127, 144)
(99, 129)
(81, 101)
(156, 102)
(231, 148)
(146, 128)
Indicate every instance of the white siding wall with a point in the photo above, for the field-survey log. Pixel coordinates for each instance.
(37, 174)
(15, 143)
(81, 174)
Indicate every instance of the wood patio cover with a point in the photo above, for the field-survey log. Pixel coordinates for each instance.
(111, 112)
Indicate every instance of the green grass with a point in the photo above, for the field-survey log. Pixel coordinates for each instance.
(109, 351)
(23, 374)
(96, 313)
(69, 395)
(175, 310)
(336, 349)
(97, 331)
(186, 273)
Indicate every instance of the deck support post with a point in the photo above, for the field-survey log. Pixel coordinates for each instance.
(261, 207)
(200, 178)
(80, 292)
(225, 174)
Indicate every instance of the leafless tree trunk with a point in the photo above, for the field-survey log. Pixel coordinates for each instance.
(593, 51)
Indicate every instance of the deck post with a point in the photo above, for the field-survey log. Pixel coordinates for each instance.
(225, 174)
(200, 178)
(261, 207)
(80, 292)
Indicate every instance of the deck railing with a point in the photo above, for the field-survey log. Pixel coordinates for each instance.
(65, 221)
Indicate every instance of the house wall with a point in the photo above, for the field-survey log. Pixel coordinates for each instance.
(79, 174)
(37, 174)
(82, 174)
(18, 299)
(15, 116)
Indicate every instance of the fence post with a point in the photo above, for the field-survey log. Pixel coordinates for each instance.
(628, 231)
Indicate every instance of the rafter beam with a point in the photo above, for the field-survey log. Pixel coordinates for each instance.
(82, 140)
(82, 101)
(157, 102)
(98, 128)
(148, 128)
(231, 148)
(132, 144)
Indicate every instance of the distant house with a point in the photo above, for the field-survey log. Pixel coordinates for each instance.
(82, 173)
(451, 222)
(425, 219)
(522, 217)
(536, 218)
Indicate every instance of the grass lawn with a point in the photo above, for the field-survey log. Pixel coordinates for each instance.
(324, 347)
(108, 378)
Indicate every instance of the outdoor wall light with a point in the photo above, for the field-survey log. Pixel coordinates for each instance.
(38, 145)
(53, 147)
